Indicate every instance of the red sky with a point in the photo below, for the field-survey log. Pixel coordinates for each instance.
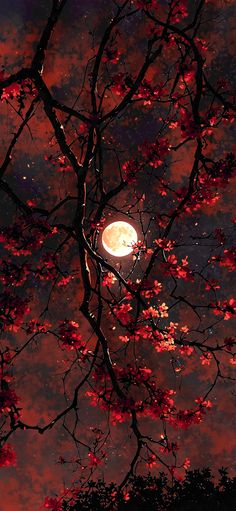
(38, 371)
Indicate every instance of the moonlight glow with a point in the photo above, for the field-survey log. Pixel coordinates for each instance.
(118, 238)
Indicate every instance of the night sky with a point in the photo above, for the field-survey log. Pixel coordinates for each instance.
(32, 174)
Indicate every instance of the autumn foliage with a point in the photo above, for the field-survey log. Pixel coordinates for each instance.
(132, 135)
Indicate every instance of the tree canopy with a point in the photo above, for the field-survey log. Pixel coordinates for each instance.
(118, 111)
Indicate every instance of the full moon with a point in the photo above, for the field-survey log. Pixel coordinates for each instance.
(118, 238)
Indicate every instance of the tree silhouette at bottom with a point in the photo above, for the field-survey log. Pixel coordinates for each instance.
(198, 491)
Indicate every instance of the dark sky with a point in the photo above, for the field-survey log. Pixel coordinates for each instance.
(38, 372)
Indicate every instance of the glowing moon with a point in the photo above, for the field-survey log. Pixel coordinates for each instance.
(118, 238)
